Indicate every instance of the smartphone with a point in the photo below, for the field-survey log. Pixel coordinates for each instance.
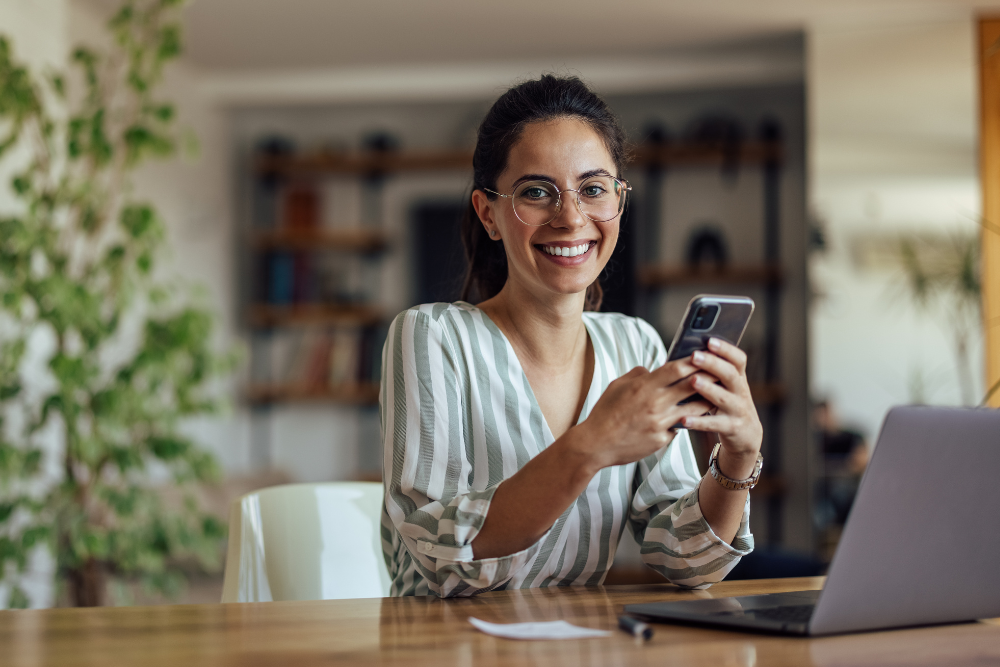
(710, 316)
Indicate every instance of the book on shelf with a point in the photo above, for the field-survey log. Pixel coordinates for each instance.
(303, 280)
(320, 358)
(344, 360)
(369, 369)
(301, 208)
(280, 278)
(316, 374)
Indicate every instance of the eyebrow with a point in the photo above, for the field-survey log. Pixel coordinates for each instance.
(542, 177)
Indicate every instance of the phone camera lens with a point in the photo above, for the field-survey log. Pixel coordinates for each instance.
(704, 317)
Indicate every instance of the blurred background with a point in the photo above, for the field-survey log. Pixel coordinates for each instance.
(819, 156)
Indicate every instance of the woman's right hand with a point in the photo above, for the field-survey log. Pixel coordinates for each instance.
(635, 415)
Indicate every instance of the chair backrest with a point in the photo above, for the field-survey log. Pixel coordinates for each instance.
(306, 542)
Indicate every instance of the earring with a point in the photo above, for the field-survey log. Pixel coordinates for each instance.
(493, 233)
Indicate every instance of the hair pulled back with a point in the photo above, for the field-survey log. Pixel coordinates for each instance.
(544, 99)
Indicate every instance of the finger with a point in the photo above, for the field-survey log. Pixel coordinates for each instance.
(719, 367)
(698, 408)
(683, 389)
(716, 423)
(729, 352)
(673, 418)
(672, 372)
(717, 395)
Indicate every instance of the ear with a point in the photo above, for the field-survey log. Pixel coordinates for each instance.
(485, 210)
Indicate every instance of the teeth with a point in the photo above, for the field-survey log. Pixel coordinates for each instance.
(567, 252)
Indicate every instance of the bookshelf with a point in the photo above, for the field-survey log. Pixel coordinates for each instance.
(362, 163)
(365, 164)
(265, 316)
(707, 154)
(664, 276)
(354, 239)
(768, 393)
(313, 342)
(361, 394)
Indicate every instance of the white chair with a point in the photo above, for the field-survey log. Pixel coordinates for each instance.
(306, 542)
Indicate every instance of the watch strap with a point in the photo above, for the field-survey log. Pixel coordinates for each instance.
(729, 482)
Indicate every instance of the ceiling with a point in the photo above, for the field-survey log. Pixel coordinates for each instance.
(317, 34)
(891, 82)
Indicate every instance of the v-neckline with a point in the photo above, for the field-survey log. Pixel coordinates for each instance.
(587, 401)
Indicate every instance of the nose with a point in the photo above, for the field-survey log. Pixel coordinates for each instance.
(569, 215)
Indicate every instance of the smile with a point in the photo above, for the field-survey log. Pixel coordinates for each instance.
(572, 251)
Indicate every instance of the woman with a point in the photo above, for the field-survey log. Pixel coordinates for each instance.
(522, 435)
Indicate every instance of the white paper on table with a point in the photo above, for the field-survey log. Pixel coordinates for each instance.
(546, 630)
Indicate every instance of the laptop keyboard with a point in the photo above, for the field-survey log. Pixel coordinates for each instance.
(790, 614)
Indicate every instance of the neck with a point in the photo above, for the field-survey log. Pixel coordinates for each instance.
(549, 331)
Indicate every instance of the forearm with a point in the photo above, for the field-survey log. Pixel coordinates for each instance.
(722, 507)
(525, 506)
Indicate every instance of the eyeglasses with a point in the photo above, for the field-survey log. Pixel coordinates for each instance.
(537, 203)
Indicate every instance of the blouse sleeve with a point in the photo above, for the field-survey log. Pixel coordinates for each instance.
(426, 465)
(665, 515)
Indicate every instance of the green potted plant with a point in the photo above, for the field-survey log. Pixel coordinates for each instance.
(120, 356)
(946, 278)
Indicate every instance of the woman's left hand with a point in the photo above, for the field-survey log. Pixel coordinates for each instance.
(735, 419)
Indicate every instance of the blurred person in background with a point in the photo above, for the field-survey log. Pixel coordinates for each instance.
(844, 455)
(524, 434)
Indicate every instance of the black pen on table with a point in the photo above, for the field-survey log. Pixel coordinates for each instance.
(635, 627)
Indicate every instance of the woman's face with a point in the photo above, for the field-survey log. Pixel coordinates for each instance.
(565, 152)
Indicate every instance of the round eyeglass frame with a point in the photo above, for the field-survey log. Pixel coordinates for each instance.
(626, 188)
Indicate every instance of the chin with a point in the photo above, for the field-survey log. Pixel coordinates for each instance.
(574, 288)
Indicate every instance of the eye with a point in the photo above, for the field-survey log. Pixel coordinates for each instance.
(535, 192)
(593, 190)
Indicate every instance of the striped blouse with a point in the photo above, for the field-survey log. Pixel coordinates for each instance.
(458, 417)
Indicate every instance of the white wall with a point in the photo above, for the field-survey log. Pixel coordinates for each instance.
(893, 150)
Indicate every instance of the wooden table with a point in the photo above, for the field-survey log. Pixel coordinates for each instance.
(428, 631)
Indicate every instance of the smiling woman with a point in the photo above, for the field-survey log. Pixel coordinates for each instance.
(523, 434)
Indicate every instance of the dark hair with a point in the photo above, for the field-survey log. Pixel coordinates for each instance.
(545, 99)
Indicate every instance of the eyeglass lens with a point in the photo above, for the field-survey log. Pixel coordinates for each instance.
(537, 203)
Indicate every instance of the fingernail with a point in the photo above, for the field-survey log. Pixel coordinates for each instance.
(698, 357)
(695, 380)
(714, 344)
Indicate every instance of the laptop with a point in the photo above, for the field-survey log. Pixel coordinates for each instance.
(921, 545)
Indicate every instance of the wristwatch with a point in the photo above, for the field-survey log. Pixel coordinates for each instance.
(728, 482)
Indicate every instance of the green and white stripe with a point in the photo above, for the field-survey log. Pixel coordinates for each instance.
(459, 417)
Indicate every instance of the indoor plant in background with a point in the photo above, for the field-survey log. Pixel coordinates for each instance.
(943, 279)
(100, 359)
